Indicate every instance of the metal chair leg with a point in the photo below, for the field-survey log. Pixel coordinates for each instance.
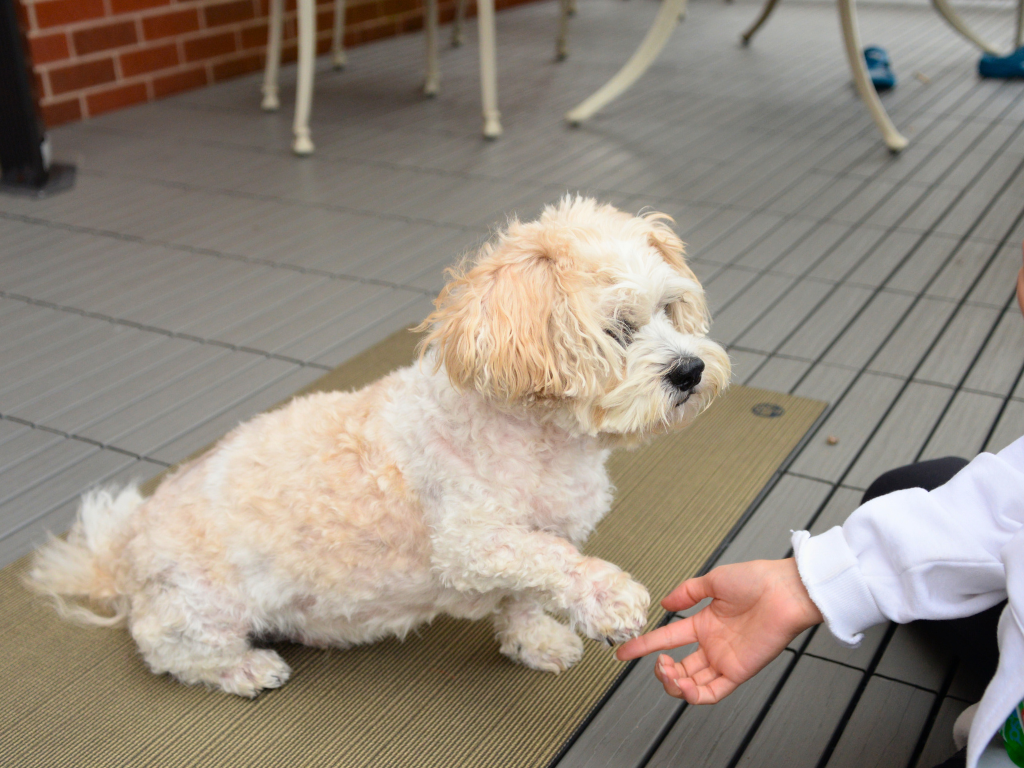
(562, 43)
(766, 11)
(894, 140)
(273, 66)
(338, 57)
(433, 80)
(488, 69)
(458, 38)
(652, 45)
(953, 18)
(303, 145)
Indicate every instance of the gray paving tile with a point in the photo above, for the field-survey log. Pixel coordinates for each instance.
(715, 734)
(852, 421)
(206, 403)
(840, 506)
(773, 329)
(1008, 428)
(51, 507)
(826, 381)
(913, 337)
(168, 397)
(118, 379)
(815, 697)
(998, 367)
(940, 747)
(927, 260)
(883, 259)
(902, 434)
(955, 351)
(965, 427)
(829, 319)
(873, 735)
(779, 373)
(748, 306)
(212, 429)
(789, 506)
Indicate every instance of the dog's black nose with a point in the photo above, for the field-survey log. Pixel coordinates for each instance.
(685, 374)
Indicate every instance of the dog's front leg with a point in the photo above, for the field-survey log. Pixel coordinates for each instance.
(600, 599)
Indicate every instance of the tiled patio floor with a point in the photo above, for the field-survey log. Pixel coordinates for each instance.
(199, 272)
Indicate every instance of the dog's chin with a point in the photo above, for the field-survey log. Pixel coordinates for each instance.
(635, 418)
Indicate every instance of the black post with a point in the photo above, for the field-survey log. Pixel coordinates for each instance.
(24, 148)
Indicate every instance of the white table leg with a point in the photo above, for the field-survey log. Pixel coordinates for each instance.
(488, 69)
(1019, 38)
(562, 43)
(304, 89)
(657, 36)
(433, 79)
(851, 37)
(460, 17)
(953, 18)
(338, 57)
(270, 100)
(766, 11)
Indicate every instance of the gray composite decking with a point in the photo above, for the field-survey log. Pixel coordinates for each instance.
(199, 272)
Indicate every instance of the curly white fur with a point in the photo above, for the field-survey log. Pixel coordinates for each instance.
(464, 484)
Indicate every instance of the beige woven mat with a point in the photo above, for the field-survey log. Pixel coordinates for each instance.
(81, 697)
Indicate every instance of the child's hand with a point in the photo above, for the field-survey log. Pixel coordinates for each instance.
(757, 608)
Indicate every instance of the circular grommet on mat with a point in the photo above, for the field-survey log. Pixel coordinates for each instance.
(768, 410)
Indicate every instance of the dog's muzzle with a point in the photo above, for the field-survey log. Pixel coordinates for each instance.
(684, 375)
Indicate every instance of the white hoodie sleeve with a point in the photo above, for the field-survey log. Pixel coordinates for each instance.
(942, 554)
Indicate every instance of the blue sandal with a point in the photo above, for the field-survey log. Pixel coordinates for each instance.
(879, 68)
(1004, 67)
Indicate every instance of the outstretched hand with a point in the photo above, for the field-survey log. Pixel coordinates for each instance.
(757, 608)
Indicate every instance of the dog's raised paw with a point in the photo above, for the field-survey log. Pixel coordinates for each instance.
(609, 605)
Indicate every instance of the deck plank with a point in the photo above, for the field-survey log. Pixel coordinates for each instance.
(885, 726)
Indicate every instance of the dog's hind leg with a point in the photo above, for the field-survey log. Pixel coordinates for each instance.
(211, 649)
(530, 636)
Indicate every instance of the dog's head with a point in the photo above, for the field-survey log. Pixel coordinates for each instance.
(589, 312)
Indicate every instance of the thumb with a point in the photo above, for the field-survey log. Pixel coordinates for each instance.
(688, 594)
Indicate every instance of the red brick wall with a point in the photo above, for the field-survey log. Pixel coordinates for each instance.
(93, 56)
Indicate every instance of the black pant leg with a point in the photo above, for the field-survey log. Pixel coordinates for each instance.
(925, 474)
(971, 639)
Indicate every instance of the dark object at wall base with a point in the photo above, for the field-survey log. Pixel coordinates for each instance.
(25, 165)
(59, 178)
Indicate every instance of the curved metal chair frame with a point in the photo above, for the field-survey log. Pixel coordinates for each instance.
(673, 10)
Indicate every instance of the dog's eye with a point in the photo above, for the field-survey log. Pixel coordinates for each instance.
(623, 332)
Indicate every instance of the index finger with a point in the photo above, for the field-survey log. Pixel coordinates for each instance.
(670, 636)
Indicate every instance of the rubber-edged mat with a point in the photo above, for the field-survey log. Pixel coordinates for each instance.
(81, 697)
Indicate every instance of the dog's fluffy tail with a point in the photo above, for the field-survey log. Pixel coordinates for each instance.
(84, 567)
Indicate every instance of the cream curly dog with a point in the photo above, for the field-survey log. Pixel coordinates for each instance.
(463, 484)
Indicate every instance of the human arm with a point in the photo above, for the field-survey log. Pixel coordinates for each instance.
(917, 554)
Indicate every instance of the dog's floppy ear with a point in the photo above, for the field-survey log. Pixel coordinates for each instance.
(691, 315)
(507, 326)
